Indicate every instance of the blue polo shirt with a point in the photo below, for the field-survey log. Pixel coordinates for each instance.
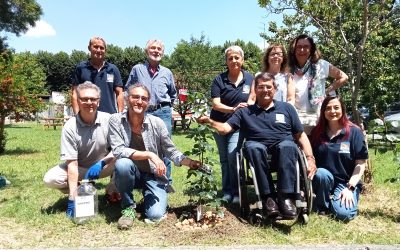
(339, 155)
(268, 127)
(108, 78)
(161, 85)
(230, 94)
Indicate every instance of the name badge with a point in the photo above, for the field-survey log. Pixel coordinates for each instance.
(344, 147)
(280, 118)
(246, 89)
(110, 78)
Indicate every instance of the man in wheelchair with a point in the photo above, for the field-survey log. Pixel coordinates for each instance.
(270, 128)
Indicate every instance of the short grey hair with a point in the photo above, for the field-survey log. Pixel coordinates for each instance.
(134, 86)
(152, 41)
(87, 85)
(234, 48)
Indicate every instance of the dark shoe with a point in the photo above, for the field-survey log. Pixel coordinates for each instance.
(287, 208)
(271, 207)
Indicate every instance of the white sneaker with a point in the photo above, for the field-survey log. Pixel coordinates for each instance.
(227, 198)
(236, 200)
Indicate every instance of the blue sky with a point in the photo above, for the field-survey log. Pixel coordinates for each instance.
(68, 24)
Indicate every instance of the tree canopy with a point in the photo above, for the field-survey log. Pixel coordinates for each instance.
(16, 17)
(350, 34)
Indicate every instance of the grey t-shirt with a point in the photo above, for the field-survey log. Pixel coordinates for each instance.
(86, 143)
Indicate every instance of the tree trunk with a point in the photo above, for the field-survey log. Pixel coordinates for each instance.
(2, 133)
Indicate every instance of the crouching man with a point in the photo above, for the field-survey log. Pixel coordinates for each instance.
(139, 141)
(84, 147)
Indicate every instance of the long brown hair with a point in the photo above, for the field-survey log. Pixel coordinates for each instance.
(284, 65)
(315, 55)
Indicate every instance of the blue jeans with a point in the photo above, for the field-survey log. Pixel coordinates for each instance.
(284, 156)
(165, 114)
(128, 177)
(324, 186)
(228, 145)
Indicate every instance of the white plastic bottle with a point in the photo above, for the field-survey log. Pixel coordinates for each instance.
(86, 202)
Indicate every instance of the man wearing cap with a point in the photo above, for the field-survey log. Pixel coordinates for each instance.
(160, 82)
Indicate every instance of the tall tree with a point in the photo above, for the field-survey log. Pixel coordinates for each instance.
(16, 17)
(342, 27)
(22, 82)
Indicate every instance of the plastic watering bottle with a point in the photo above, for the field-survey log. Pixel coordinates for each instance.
(86, 202)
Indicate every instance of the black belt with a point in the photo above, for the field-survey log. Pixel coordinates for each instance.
(158, 106)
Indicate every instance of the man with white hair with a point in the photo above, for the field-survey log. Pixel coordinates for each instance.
(160, 82)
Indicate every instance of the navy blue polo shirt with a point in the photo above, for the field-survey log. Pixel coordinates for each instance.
(268, 127)
(339, 155)
(229, 94)
(107, 79)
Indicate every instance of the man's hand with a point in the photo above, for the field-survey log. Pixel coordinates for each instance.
(203, 119)
(70, 209)
(159, 164)
(94, 171)
(194, 164)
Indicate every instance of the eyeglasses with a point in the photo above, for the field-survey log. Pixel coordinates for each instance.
(280, 54)
(87, 99)
(137, 97)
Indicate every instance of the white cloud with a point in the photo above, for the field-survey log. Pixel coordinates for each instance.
(40, 29)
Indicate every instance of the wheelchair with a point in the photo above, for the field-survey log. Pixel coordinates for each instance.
(253, 212)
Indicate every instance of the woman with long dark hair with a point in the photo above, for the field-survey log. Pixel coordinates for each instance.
(341, 155)
(275, 62)
(310, 73)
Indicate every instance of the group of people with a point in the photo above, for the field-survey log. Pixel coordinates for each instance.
(124, 130)
(132, 144)
(288, 104)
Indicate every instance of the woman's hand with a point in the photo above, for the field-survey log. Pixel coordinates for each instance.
(346, 198)
(240, 105)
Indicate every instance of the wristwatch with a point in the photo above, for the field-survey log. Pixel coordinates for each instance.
(351, 187)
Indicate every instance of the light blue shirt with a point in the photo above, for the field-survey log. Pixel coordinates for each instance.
(161, 85)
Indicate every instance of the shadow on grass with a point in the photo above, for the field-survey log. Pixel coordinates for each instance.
(112, 211)
(12, 126)
(380, 213)
(20, 151)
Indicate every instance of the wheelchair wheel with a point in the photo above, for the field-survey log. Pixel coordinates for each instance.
(256, 219)
(303, 219)
(242, 179)
(305, 183)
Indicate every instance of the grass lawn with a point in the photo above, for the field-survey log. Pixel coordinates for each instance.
(32, 215)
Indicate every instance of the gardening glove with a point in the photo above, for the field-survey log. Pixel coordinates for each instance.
(70, 208)
(94, 171)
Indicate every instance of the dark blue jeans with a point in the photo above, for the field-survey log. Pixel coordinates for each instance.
(165, 114)
(284, 156)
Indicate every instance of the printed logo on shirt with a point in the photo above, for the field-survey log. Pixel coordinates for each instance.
(280, 118)
(110, 77)
(344, 147)
(246, 89)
